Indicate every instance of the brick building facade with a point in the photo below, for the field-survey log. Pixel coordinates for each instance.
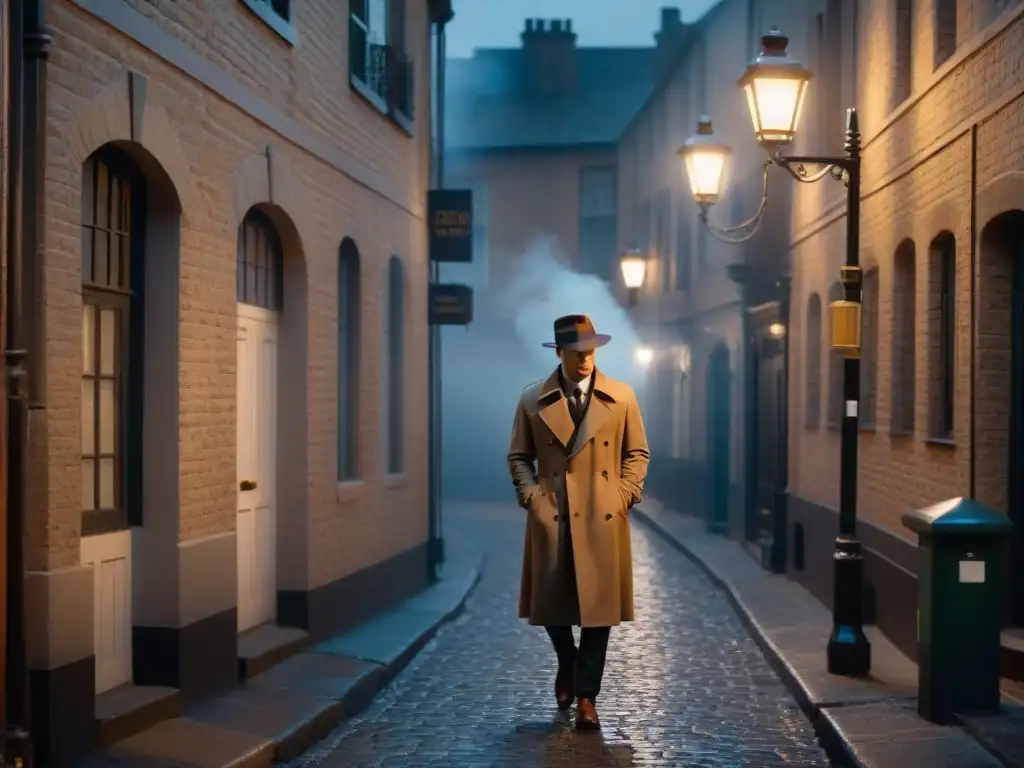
(939, 95)
(235, 428)
(703, 299)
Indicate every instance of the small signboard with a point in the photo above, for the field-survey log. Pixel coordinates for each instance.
(450, 214)
(451, 304)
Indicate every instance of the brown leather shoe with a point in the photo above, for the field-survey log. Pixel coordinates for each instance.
(586, 716)
(565, 686)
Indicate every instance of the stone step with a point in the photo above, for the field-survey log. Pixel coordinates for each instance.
(184, 742)
(131, 709)
(263, 647)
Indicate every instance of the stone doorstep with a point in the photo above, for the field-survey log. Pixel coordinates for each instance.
(869, 721)
(130, 709)
(292, 696)
(265, 646)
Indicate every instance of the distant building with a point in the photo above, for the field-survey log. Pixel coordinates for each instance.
(533, 131)
(235, 420)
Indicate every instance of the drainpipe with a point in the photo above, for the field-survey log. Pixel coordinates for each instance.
(30, 45)
(440, 14)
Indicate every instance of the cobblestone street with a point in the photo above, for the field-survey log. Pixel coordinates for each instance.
(685, 686)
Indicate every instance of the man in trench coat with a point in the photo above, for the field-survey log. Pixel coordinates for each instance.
(585, 434)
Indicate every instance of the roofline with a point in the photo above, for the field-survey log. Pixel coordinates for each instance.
(698, 28)
(538, 149)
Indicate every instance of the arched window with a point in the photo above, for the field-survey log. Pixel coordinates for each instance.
(942, 334)
(348, 360)
(112, 263)
(812, 359)
(394, 334)
(904, 337)
(260, 259)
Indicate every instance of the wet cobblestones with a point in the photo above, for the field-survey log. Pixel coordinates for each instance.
(685, 686)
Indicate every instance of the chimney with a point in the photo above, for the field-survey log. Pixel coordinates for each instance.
(668, 38)
(549, 57)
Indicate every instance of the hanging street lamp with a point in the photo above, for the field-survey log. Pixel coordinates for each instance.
(775, 86)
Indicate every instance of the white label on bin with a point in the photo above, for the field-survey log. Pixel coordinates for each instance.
(972, 571)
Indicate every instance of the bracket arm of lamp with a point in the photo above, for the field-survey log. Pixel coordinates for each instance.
(745, 230)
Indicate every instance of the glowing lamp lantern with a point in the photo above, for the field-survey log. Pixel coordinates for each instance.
(775, 86)
(634, 269)
(644, 356)
(704, 159)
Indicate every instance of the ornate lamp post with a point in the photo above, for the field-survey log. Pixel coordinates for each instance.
(634, 268)
(775, 86)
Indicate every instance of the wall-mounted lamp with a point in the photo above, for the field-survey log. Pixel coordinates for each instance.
(776, 330)
(634, 269)
(644, 356)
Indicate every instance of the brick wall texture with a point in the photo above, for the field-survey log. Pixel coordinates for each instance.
(926, 109)
(214, 152)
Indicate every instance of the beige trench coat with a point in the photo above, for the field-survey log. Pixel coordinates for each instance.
(585, 483)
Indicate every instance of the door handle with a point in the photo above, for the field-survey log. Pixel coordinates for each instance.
(247, 485)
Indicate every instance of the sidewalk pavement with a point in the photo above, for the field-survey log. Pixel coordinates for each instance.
(279, 714)
(866, 722)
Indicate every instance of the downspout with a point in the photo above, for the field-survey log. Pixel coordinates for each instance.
(24, 343)
(973, 459)
(16, 723)
(440, 14)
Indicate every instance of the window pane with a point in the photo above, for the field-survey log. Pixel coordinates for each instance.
(106, 484)
(88, 348)
(108, 341)
(116, 277)
(88, 418)
(115, 203)
(87, 254)
(108, 416)
(88, 485)
(102, 196)
(101, 253)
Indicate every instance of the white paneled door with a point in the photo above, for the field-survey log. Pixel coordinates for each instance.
(257, 466)
(110, 557)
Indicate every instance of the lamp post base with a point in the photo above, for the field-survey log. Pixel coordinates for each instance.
(849, 652)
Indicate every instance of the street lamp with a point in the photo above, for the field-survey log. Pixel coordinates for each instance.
(775, 86)
(634, 268)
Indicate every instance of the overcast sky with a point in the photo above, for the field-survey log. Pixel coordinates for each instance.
(497, 23)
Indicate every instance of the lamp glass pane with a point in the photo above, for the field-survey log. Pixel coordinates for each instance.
(704, 168)
(778, 103)
(633, 270)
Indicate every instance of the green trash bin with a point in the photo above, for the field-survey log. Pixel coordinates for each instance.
(959, 613)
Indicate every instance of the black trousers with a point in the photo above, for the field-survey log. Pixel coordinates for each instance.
(588, 658)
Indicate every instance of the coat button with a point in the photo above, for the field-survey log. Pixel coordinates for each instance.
(606, 442)
(607, 517)
(577, 514)
(555, 473)
(604, 473)
(551, 441)
(555, 518)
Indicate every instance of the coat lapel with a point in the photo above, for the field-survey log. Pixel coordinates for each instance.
(597, 414)
(554, 410)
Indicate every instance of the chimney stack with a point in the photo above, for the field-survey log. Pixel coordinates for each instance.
(669, 38)
(549, 57)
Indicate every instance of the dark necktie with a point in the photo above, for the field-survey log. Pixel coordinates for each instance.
(578, 403)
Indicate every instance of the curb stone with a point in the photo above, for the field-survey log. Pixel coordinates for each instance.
(365, 688)
(836, 745)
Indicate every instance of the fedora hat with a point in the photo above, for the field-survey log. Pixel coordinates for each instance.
(577, 333)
